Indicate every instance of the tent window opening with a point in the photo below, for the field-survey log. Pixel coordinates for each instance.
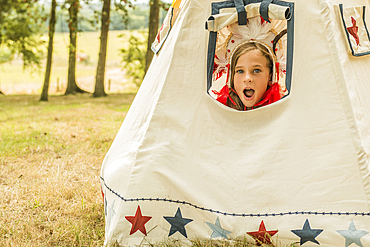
(250, 52)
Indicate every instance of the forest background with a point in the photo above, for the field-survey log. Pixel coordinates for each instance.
(24, 44)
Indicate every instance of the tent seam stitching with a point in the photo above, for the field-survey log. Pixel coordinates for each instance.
(233, 214)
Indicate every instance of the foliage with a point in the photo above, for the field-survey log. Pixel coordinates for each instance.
(134, 57)
(137, 18)
(163, 5)
(5, 55)
(21, 24)
(123, 6)
(123, 16)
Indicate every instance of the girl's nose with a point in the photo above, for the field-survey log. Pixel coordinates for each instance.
(248, 77)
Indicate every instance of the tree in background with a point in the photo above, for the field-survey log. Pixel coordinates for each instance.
(100, 69)
(137, 57)
(153, 29)
(20, 28)
(45, 88)
(73, 9)
(105, 20)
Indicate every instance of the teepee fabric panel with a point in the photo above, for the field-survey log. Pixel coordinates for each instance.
(348, 96)
(184, 166)
(354, 70)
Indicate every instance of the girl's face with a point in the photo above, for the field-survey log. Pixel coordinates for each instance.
(251, 77)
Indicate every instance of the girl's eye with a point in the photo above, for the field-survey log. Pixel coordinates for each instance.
(240, 71)
(256, 71)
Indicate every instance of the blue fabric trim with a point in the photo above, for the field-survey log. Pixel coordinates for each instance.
(290, 39)
(290, 49)
(234, 214)
(347, 33)
(221, 5)
(211, 57)
(264, 9)
(363, 18)
(242, 15)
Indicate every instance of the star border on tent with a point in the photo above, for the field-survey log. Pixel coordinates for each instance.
(218, 231)
(307, 234)
(262, 236)
(177, 223)
(352, 235)
(138, 221)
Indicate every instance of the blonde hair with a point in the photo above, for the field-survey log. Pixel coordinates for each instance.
(242, 49)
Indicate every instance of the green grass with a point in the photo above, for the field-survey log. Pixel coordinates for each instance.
(50, 159)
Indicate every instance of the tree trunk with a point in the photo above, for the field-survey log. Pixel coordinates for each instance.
(153, 29)
(45, 88)
(73, 25)
(100, 70)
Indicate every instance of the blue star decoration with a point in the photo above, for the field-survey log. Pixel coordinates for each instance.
(218, 231)
(177, 223)
(307, 234)
(352, 235)
(110, 213)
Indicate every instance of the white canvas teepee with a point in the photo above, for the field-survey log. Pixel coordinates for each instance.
(185, 166)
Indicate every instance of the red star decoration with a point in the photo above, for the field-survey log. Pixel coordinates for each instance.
(138, 221)
(262, 236)
(353, 30)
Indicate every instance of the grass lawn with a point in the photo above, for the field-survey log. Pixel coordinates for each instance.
(50, 159)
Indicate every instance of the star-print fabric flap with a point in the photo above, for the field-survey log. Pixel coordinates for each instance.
(353, 19)
(166, 27)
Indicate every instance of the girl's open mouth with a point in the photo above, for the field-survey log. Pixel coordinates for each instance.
(249, 92)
